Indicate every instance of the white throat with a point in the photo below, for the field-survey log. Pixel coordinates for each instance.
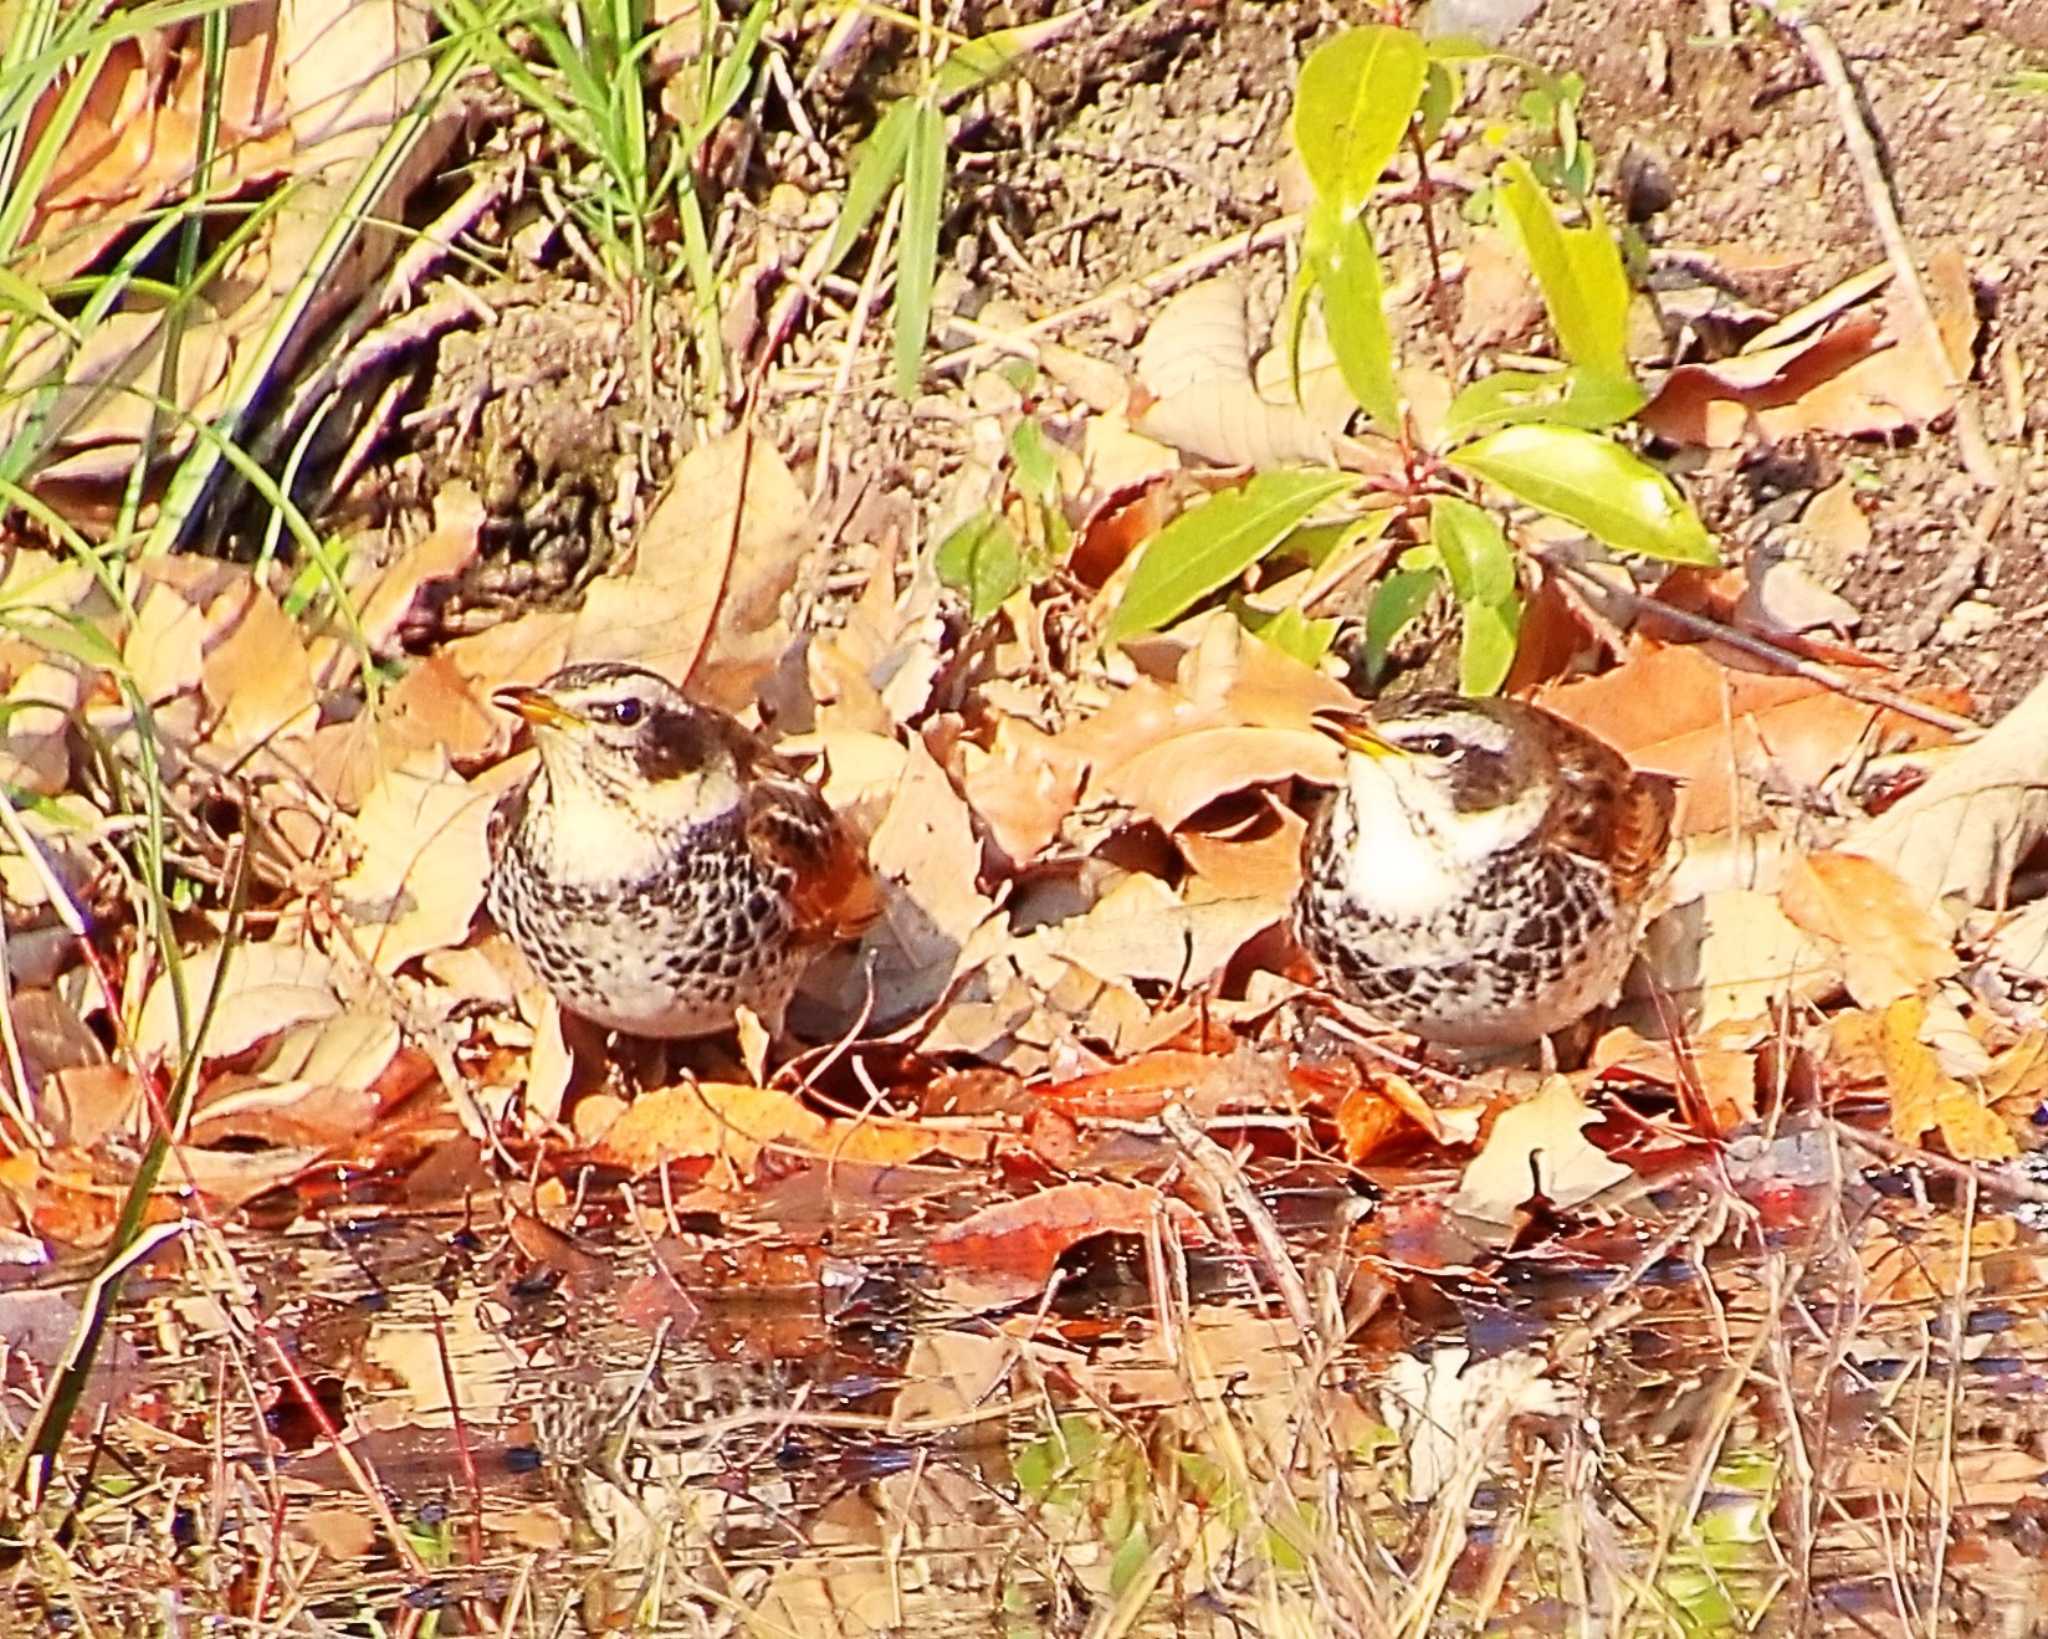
(1412, 853)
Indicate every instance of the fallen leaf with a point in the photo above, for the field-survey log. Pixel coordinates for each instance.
(1925, 1099)
(267, 987)
(703, 601)
(1028, 1237)
(1538, 1147)
(1729, 956)
(1892, 944)
(1982, 811)
(258, 677)
(424, 860)
(1672, 710)
(727, 1121)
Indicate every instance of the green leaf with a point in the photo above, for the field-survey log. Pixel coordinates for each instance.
(1352, 106)
(1585, 287)
(917, 248)
(877, 163)
(1481, 566)
(981, 558)
(1592, 481)
(1570, 398)
(1345, 267)
(1475, 551)
(1399, 598)
(1037, 469)
(1210, 545)
(1440, 93)
(1288, 630)
(1486, 652)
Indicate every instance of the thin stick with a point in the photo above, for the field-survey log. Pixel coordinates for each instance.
(1763, 649)
(1884, 213)
(1214, 1163)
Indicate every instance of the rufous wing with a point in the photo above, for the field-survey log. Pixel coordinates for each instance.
(833, 893)
(1609, 812)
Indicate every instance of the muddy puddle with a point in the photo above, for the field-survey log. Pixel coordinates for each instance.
(1738, 1403)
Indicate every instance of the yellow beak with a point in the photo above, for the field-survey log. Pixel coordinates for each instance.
(538, 707)
(1353, 731)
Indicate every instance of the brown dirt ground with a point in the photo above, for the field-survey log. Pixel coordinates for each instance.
(1136, 145)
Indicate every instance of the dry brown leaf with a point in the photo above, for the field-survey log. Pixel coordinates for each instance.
(1196, 361)
(164, 649)
(80, 1106)
(270, 986)
(725, 1121)
(1983, 811)
(1028, 1237)
(431, 708)
(1140, 930)
(1022, 787)
(1537, 1147)
(35, 728)
(257, 677)
(444, 552)
(1840, 380)
(1718, 404)
(423, 858)
(703, 602)
(1925, 1099)
(1892, 944)
(1729, 956)
(1673, 710)
(1236, 715)
(927, 861)
(1256, 856)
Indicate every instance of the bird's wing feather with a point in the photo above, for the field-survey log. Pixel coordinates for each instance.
(789, 825)
(1609, 812)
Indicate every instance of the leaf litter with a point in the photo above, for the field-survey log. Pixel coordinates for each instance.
(1086, 860)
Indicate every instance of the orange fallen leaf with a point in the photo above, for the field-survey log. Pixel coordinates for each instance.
(1673, 710)
(1892, 943)
(1925, 1099)
(1029, 1236)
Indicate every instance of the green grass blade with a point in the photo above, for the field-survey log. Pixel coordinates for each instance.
(917, 246)
(877, 166)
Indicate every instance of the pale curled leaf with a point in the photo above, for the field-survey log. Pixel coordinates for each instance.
(1539, 1146)
(1983, 811)
(1196, 361)
(1892, 943)
(268, 987)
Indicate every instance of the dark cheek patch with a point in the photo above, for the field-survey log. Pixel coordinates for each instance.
(670, 744)
(1480, 780)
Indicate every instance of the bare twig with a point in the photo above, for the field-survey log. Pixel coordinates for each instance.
(1784, 659)
(1227, 1178)
(1877, 194)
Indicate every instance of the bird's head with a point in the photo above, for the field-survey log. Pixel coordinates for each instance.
(1475, 776)
(621, 735)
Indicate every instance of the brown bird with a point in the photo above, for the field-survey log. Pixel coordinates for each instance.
(663, 868)
(1481, 875)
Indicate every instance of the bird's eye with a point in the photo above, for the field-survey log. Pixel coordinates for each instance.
(626, 713)
(1434, 745)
